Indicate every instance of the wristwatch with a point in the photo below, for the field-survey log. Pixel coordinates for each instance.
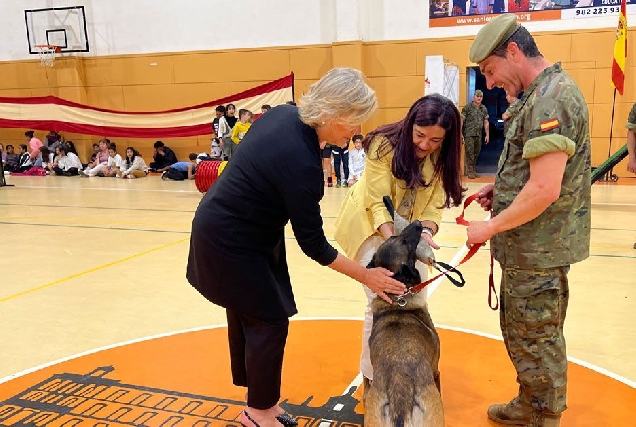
(428, 231)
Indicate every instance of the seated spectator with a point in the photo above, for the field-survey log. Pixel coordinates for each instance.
(101, 160)
(45, 158)
(24, 160)
(133, 166)
(163, 157)
(181, 170)
(265, 108)
(68, 164)
(95, 152)
(113, 164)
(12, 160)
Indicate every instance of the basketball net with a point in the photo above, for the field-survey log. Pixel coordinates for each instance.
(47, 52)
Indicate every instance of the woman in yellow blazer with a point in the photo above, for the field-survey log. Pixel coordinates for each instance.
(414, 161)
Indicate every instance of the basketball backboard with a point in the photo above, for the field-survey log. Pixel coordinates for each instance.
(60, 26)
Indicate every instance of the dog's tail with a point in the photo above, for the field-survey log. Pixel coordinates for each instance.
(410, 407)
(401, 400)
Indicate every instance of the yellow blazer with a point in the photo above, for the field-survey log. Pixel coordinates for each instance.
(363, 211)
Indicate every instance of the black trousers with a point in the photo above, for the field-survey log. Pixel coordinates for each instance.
(69, 172)
(256, 357)
(341, 155)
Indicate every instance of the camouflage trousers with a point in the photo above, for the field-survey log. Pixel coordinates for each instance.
(533, 307)
(472, 147)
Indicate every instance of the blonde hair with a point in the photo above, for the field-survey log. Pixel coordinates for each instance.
(340, 94)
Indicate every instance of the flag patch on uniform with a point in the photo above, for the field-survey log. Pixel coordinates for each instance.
(549, 125)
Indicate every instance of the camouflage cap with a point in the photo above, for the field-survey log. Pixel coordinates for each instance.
(479, 93)
(492, 35)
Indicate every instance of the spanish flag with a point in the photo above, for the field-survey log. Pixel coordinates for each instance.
(620, 50)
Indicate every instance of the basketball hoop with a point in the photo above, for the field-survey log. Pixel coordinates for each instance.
(47, 52)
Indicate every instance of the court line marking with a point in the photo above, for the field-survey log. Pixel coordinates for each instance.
(3, 380)
(145, 190)
(95, 207)
(92, 270)
(92, 227)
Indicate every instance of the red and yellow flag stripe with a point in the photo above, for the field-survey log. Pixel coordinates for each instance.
(620, 50)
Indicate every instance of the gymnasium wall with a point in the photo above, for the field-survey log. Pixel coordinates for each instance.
(149, 56)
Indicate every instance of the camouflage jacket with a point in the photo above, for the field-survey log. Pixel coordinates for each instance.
(512, 111)
(553, 116)
(474, 117)
(631, 120)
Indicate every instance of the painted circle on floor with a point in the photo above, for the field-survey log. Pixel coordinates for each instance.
(184, 380)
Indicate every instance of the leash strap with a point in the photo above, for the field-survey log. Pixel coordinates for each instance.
(472, 250)
(491, 278)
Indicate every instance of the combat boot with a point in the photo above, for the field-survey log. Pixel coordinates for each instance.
(544, 420)
(471, 173)
(514, 413)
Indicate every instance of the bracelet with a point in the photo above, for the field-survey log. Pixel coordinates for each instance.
(428, 231)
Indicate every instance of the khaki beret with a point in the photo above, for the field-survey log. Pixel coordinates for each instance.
(479, 93)
(492, 35)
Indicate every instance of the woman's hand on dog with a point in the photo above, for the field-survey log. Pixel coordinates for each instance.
(379, 280)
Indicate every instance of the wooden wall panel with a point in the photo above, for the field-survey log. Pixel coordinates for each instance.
(110, 97)
(231, 66)
(348, 55)
(555, 47)
(398, 92)
(453, 50)
(310, 63)
(390, 59)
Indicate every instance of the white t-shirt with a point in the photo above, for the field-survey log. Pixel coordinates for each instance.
(114, 161)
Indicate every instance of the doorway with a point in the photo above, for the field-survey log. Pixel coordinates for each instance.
(496, 104)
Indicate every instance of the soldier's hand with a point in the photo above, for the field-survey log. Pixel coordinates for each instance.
(485, 196)
(487, 139)
(478, 232)
(379, 280)
(631, 166)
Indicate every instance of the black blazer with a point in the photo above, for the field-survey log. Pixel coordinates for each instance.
(237, 248)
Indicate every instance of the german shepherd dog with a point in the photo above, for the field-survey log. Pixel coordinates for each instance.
(404, 345)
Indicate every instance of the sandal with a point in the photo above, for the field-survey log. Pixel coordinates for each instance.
(251, 419)
(287, 420)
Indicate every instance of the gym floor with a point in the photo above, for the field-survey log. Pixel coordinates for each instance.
(100, 263)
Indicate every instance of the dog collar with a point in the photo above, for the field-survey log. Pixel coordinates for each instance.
(401, 300)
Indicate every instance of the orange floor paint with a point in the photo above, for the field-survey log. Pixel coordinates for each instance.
(184, 379)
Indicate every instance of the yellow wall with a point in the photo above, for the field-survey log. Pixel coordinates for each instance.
(395, 70)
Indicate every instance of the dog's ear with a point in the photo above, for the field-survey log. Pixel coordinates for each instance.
(399, 223)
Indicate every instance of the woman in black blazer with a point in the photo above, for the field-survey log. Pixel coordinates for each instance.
(237, 249)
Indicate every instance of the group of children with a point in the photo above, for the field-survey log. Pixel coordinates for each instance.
(230, 131)
(60, 157)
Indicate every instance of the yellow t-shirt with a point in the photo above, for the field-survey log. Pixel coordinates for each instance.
(239, 131)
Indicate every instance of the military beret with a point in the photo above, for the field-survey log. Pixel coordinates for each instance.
(492, 35)
(479, 93)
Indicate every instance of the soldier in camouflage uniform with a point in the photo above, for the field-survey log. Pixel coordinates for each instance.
(540, 220)
(631, 142)
(474, 120)
(513, 108)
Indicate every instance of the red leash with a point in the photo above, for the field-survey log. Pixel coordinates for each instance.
(472, 250)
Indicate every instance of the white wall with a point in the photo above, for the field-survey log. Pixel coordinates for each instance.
(147, 26)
